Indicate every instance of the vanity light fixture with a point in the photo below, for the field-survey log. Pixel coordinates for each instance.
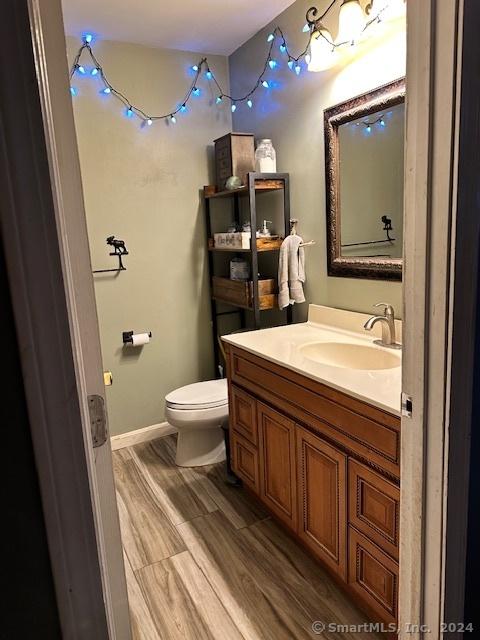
(322, 51)
(351, 22)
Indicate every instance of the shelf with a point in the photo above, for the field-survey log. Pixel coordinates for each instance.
(265, 303)
(263, 244)
(261, 186)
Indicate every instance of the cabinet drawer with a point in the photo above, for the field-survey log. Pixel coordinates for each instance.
(373, 576)
(278, 488)
(243, 412)
(374, 506)
(322, 471)
(245, 461)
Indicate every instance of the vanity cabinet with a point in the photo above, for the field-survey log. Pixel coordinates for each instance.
(326, 466)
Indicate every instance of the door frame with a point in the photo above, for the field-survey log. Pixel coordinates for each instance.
(43, 229)
(52, 360)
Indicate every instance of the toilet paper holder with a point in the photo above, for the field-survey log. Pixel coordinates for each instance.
(127, 337)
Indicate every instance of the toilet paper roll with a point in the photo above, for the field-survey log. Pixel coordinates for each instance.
(139, 338)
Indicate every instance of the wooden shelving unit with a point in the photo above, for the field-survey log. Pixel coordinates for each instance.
(257, 183)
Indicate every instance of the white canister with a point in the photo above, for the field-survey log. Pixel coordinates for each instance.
(239, 269)
(265, 157)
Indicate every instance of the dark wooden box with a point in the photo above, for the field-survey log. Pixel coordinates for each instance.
(240, 292)
(234, 156)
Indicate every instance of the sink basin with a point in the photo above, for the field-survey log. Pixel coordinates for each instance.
(350, 356)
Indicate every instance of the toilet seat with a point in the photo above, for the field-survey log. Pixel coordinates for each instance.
(199, 396)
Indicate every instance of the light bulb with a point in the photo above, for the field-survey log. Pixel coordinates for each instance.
(81, 69)
(387, 9)
(94, 71)
(129, 112)
(265, 84)
(322, 51)
(249, 104)
(209, 75)
(382, 122)
(88, 38)
(272, 64)
(107, 90)
(196, 91)
(306, 28)
(298, 69)
(369, 128)
(173, 119)
(195, 68)
(219, 100)
(73, 91)
(271, 37)
(149, 122)
(291, 63)
(183, 108)
(234, 108)
(308, 58)
(283, 47)
(351, 22)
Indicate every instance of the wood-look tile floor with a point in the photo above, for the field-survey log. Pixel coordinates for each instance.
(204, 560)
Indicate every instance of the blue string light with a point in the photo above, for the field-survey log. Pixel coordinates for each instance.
(294, 64)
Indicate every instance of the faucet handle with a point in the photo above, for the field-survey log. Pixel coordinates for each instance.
(389, 310)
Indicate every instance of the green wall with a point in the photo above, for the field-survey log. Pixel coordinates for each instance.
(291, 114)
(143, 185)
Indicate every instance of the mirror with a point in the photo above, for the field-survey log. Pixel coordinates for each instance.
(364, 153)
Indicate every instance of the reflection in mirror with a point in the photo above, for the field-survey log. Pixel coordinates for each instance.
(371, 184)
(364, 140)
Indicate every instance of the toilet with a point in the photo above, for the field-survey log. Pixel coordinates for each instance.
(198, 411)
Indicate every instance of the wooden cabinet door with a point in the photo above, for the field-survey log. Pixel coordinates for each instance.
(243, 414)
(374, 506)
(322, 472)
(373, 576)
(277, 464)
(245, 461)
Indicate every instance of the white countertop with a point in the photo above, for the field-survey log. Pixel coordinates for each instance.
(381, 387)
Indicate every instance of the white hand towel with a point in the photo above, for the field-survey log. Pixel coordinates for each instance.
(291, 272)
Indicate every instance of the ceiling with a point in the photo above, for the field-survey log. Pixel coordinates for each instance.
(209, 26)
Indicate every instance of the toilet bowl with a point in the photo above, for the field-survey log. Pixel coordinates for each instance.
(198, 411)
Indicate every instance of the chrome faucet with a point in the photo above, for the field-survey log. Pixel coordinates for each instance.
(388, 326)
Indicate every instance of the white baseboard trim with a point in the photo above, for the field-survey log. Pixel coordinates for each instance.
(152, 432)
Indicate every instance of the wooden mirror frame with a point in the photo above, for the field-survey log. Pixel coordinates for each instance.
(376, 268)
